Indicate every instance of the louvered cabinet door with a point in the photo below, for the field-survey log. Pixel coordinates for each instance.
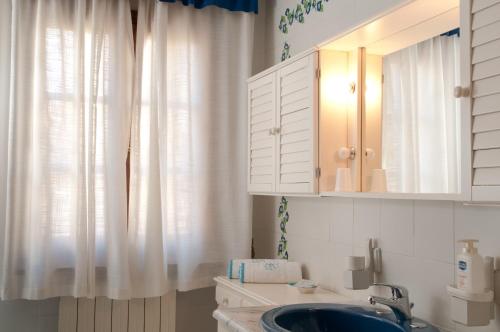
(297, 122)
(261, 134)
(484, 25)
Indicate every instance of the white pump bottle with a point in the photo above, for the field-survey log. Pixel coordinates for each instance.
(470, 269)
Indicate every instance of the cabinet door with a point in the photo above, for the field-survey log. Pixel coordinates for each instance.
(297, 123)
(227, 298)
(261, 138)
(481, 18)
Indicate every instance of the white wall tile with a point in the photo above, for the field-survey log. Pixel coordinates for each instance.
(481, 223)
(315, 256)
(418, 252)
(417, 238)
(366, 220)
(315, 225)
(342, 220)
(396, 227)
(265, 226)
(434, 238)
(426, 282)
(429, 284)
(340, 252)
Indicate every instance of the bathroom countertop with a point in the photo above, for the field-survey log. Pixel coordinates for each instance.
(241, 319)
(247, 319)
(280, 294)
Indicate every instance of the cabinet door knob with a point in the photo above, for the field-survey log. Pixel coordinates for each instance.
(370, 154)
(345, 153)
(274, 131)
(460, 92)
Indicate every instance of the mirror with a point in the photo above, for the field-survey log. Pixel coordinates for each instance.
(402, 134)
(410, 118)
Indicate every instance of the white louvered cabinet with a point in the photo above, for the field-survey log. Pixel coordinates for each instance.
(481, 24)
(261, 134)
(282, 128)
(297, 96)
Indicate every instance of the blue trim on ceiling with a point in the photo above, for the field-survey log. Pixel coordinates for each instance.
(250, 6)
(452, 33)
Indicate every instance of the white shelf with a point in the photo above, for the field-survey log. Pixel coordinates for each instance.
(411, 196)
(388, 195)
(486, 296)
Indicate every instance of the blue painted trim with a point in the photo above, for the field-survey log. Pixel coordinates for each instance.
(242, 272)
(230, 269)
(250, 6)
(452, 33)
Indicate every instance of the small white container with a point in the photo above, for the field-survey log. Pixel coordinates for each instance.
(354, 263)
(343, 181)
(378, 181)
(357, 279)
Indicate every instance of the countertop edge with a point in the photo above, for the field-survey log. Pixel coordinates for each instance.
(241, 319)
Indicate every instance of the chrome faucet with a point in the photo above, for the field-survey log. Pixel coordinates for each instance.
(399, 302)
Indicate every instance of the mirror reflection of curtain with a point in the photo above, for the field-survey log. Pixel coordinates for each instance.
(421, 118)
(189, 209)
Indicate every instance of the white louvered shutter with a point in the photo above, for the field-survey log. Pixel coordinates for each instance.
(297, 123)
(261, 137)
(485, 58)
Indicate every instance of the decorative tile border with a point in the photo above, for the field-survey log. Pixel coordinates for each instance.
(297, 14)
(285, 54)
(291, 15)
(283, 216)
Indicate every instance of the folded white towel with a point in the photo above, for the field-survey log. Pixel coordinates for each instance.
(233, 267)
(270, 272)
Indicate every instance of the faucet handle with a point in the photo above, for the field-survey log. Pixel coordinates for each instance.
(398, 292)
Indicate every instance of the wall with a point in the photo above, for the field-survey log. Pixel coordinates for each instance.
(29, 316)
(417, 240)
(417, 237)
(337, 17)
(194, 310)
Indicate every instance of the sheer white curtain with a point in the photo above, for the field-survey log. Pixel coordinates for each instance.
(66, 82)
(421, 120)
(189, 210)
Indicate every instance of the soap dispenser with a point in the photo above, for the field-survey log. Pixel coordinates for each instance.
(470, 268)
(472, 295)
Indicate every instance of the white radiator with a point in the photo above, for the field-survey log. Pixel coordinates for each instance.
(104, 315)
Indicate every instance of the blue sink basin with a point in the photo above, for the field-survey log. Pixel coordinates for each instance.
(337, 318)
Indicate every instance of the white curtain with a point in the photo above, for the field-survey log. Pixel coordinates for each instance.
(66, 82)
(189, 210)
(421, 120)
